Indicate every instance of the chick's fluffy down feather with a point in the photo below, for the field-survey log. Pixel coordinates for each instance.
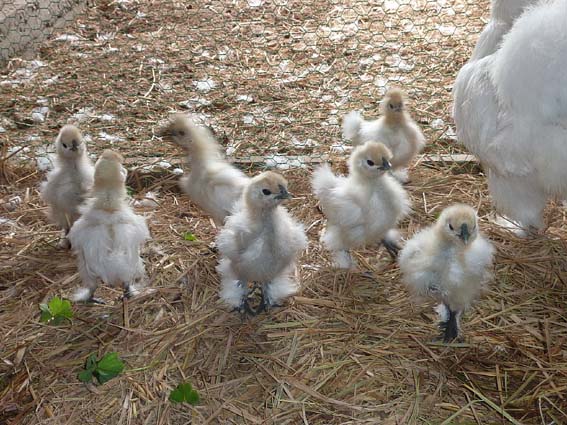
(65, 190)
(259, 249)
(107, 245)
(213, 183)
(510, 110)
(444, 273)
(358, 213)
(405, 139)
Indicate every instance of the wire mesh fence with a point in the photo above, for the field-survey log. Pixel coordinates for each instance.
(272, 78)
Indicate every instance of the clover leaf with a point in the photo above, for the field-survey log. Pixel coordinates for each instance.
(56, 311)
(108, 367)
(184, 392)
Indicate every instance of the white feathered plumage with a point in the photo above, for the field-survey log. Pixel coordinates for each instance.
(70, 181)
(108, 237)
(260, 243)
(213, 184)
(448, 262)
(511, 112)
(363, 208)
(502, 17)
(395, 129)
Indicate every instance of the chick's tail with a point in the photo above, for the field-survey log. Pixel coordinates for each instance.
(351, 127)
(324, 181)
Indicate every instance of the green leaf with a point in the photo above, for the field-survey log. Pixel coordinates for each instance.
(188, 236)
(91, 362)
(46, 315)
(108, 367)
(184, 392)
(130, 190)
(192, 398)
(56, 311)
(176, 396)
(86, 376)
(61, 308)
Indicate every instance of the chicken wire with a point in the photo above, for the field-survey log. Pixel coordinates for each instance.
(272, 78)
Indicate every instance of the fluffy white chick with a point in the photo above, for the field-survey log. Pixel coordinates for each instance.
(502, 17)
(395, 128)
(510, 110)
(213, 184)
(363, 208)
(449, 262)
(70, 181)
(108, 237)
(260, 243)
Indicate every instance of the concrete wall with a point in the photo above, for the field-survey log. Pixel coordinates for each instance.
(26, 23)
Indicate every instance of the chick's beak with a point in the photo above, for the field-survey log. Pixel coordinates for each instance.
(465, 235)
(385, 164)
(284, 194)
(74, 146)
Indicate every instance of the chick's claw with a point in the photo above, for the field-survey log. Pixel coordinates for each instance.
(245, 308)
(450, 327)
(94, 300)
(266, 303)
(392, 247)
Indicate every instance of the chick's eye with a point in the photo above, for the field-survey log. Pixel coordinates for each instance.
(451, 226)
(391, 106)
(369, 162)
(266, 192)
(181, 133)
(64, 145)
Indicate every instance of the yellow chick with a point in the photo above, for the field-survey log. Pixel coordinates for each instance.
(448, 262)
(363, 208)
(68, 184)
(108, 237)
(260, 243)
(395, 129)
(213, 184)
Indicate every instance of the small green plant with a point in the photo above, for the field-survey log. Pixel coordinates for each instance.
(130, 191)
(184, 393)
(108, 367)
(55, 311)
(188, 236)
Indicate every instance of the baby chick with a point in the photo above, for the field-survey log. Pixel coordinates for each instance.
(70, 181)
(448, 262)
(213, 184)
(260, 243)
(108, 237)
(396, 129)
(363, 208)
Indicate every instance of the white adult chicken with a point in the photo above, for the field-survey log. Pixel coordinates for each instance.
(108, 237)
(260, 243)
(363, 208)
(70, 181)
(511, 112)
(502, 17)
(448, 262)
(213, 184)
(395, 129)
